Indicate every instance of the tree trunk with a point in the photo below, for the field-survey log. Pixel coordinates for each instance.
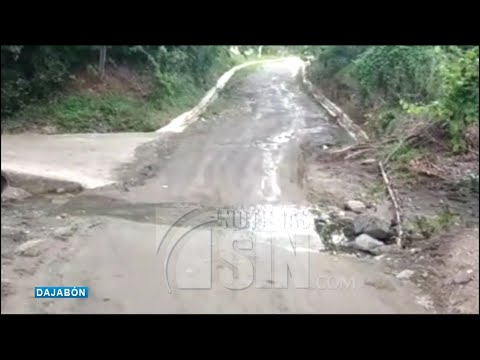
(102, 61)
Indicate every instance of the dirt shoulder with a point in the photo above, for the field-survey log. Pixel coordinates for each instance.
(441, 218)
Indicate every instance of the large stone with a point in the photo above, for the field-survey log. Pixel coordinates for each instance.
(375, 227)
(15, 194)
(30, 248)
(462, 277)
(365, 243)
(355, 206)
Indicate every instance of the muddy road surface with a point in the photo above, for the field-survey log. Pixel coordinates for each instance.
(210, 220)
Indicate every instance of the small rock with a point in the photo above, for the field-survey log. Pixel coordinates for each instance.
(366, 243)
(368, 161)
(58, 201)
(414, 250)
(6, 287)
(63, 233)
(375, 227)
(29, 248)
(14, 234)
(405, 274)
(425, 301)
(462, 277)
(63, 216)
(355, 206)
(387, 249)
(379, 257)
(95, 224)
(60, 190)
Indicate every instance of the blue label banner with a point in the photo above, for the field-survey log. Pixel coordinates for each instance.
(68, 292)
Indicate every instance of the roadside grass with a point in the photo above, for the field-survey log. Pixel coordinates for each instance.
(376, 190)
(86, 111)
(440, 222)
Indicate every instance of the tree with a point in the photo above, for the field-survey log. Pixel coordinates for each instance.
(102, 60)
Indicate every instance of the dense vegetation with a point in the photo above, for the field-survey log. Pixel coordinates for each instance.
(398, 85)
(41, 85)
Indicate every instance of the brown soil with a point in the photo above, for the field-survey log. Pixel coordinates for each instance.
(446, 264)
(118, 79)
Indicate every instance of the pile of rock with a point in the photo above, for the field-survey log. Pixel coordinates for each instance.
(367, 233)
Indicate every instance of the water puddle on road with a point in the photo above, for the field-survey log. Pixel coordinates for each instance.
(269, 185)
(289, 227)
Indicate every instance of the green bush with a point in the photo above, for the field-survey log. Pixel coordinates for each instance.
(439, 82)
(457, 102)
(36, 74)
(393, 73)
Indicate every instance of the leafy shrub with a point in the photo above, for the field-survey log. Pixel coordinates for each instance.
(438, 82)
(33, 78)
(397, 72)
(458, 97)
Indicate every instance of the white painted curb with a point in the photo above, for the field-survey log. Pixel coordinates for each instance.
(334, 111)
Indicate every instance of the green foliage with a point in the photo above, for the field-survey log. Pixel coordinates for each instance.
(437, 82)
(458, 96)
(33, 74)
(406, 153)
(330, 60)
(428, 226)
(376, 190)
(396, 72)
(30, 73)
(89, 113)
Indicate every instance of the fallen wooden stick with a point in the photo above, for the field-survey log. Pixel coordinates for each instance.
(395, 204)
(357, 154)
(350, 148)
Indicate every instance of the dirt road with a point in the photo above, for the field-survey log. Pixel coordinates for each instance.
(233, 180)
